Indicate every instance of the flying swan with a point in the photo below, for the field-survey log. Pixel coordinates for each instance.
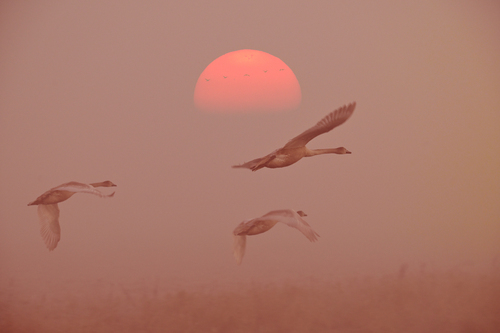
(262, 224)
(296, 148)
(48, 211)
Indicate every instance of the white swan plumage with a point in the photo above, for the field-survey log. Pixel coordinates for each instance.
(262, 224)
(296, 148)
(48, 210)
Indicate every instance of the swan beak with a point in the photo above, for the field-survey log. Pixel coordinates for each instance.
(347, 152)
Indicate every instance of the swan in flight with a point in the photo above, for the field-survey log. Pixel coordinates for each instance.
(296, 148)
(48, 211)
(262, 224)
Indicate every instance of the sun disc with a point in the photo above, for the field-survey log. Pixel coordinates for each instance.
(247, 81)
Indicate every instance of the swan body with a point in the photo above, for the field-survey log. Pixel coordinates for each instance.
(296, 148)
(48, 210)
(262, 224)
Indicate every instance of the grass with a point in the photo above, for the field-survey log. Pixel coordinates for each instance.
(444, 302)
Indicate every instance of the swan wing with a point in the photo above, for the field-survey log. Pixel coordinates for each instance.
(81, 188)
(244, 226)
(239, 244)
(50, 230)
(329, 122)
(292, 219)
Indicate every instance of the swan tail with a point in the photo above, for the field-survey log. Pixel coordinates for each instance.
(252, 165)
(239, 244)
(262, 162)
(247, 165)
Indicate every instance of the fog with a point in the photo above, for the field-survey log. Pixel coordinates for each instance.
(95, 91)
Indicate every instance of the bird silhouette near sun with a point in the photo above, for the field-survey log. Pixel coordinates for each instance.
(247, 81)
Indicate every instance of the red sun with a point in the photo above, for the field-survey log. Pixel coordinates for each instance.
(247, 81)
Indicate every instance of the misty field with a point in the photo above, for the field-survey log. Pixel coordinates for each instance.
(441, 302)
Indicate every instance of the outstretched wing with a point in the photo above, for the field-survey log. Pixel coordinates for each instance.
(239, 244)
(292, 219)
(244, 226)
(332, 120)
(50, 230)
(82, 188)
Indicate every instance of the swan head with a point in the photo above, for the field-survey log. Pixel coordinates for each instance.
(301, 213)
(342, 150)
(106, 183)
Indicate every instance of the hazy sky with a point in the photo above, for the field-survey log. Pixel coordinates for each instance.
(93, 91)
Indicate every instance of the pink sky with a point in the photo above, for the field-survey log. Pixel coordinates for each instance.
(93, 91)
